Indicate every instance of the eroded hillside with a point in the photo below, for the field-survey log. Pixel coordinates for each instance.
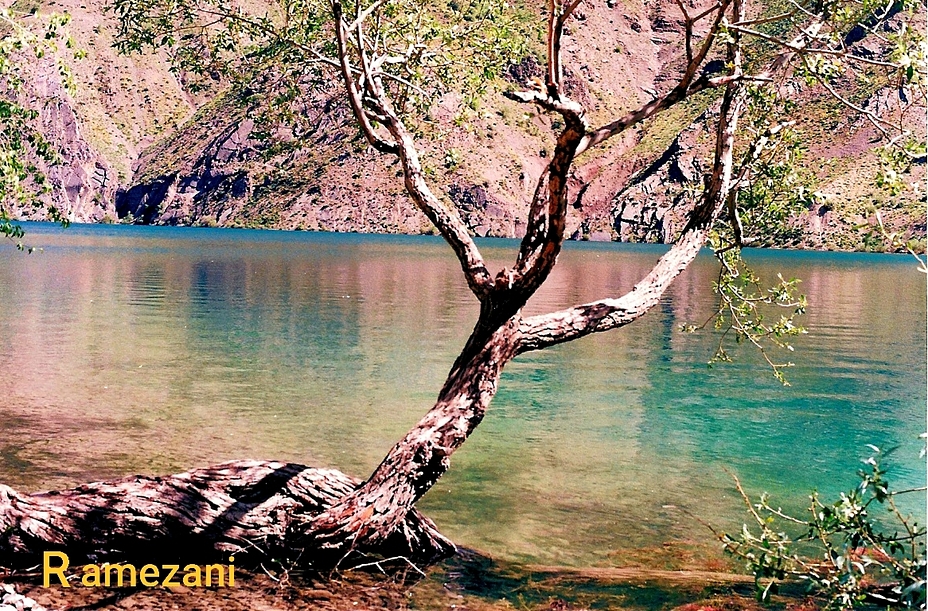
(136, 151)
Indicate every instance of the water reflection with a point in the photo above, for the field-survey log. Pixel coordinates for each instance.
(150, 350)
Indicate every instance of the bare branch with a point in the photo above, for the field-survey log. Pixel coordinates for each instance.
(653, 107)
(798, 47)
(539, 332)
(564, 107)
(763, 20)
(688, 37)
(269, 31)
(553, 70)
(675, 95)
(694, 62)
(684, 88)
(362, 15)
(707, 12)
(368, 78)
(880, 124)
(804, 10)
(398, 79)
(544, 234)
(446, 220)
(379, 565)
(756, 148)
(558, 14)
(547, 213)
(569, 9)
(354, 96)
(731, 203)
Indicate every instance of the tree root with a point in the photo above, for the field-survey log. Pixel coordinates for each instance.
(255, 509)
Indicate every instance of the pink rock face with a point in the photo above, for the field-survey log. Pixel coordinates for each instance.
(130, 130)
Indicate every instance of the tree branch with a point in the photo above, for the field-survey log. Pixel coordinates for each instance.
(362, 15)
(446, 220)
(685, 87)
(798, 47)
(688, 37)
(354, 96)
(557, 17)
(544, 233)
(539, 332)
(880, 124)
(600, 135)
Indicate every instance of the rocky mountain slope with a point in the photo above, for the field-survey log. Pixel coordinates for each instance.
(139, 148)
(120, 105)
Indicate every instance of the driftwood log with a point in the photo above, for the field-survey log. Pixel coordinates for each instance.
(257, 510)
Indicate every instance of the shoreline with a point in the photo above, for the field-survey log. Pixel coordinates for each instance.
(76, 225)
(466, 581)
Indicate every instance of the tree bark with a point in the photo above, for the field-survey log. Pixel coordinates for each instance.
(254, 509)
(377, 510)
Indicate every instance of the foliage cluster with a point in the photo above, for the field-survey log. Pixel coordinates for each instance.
(275, 61)
(847, 550)
(21, 141)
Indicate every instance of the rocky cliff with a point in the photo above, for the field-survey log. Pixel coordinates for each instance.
(120, 105)
(137, 152)
(82, 183)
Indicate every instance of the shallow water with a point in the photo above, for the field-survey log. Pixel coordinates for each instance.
(152, 350)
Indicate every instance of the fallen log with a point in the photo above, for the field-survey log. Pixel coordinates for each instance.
(256, 510)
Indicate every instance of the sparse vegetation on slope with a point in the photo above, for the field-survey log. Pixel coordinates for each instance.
(149, 159)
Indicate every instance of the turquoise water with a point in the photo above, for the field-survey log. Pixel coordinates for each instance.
(152, 350)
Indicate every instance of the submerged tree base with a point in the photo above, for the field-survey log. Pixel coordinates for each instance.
(256, 509)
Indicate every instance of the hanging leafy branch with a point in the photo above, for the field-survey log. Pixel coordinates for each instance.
(773, 182)
(770, 188)
(744, 310)
(21, 142)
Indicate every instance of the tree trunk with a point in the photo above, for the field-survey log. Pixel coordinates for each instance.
(254, 509)
(376, 512)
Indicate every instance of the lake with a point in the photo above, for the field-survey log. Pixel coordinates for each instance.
(152, 350)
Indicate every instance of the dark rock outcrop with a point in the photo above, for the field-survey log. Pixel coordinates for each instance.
(649, 208)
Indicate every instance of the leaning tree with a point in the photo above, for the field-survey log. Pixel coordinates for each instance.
(393, 58)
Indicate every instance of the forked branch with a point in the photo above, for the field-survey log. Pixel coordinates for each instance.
(351, 87)
(558, 13)
(547, 215)
(548, 211)
(539, 332)
(687, 86)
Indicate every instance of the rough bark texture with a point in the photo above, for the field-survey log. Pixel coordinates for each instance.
(255, 509)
